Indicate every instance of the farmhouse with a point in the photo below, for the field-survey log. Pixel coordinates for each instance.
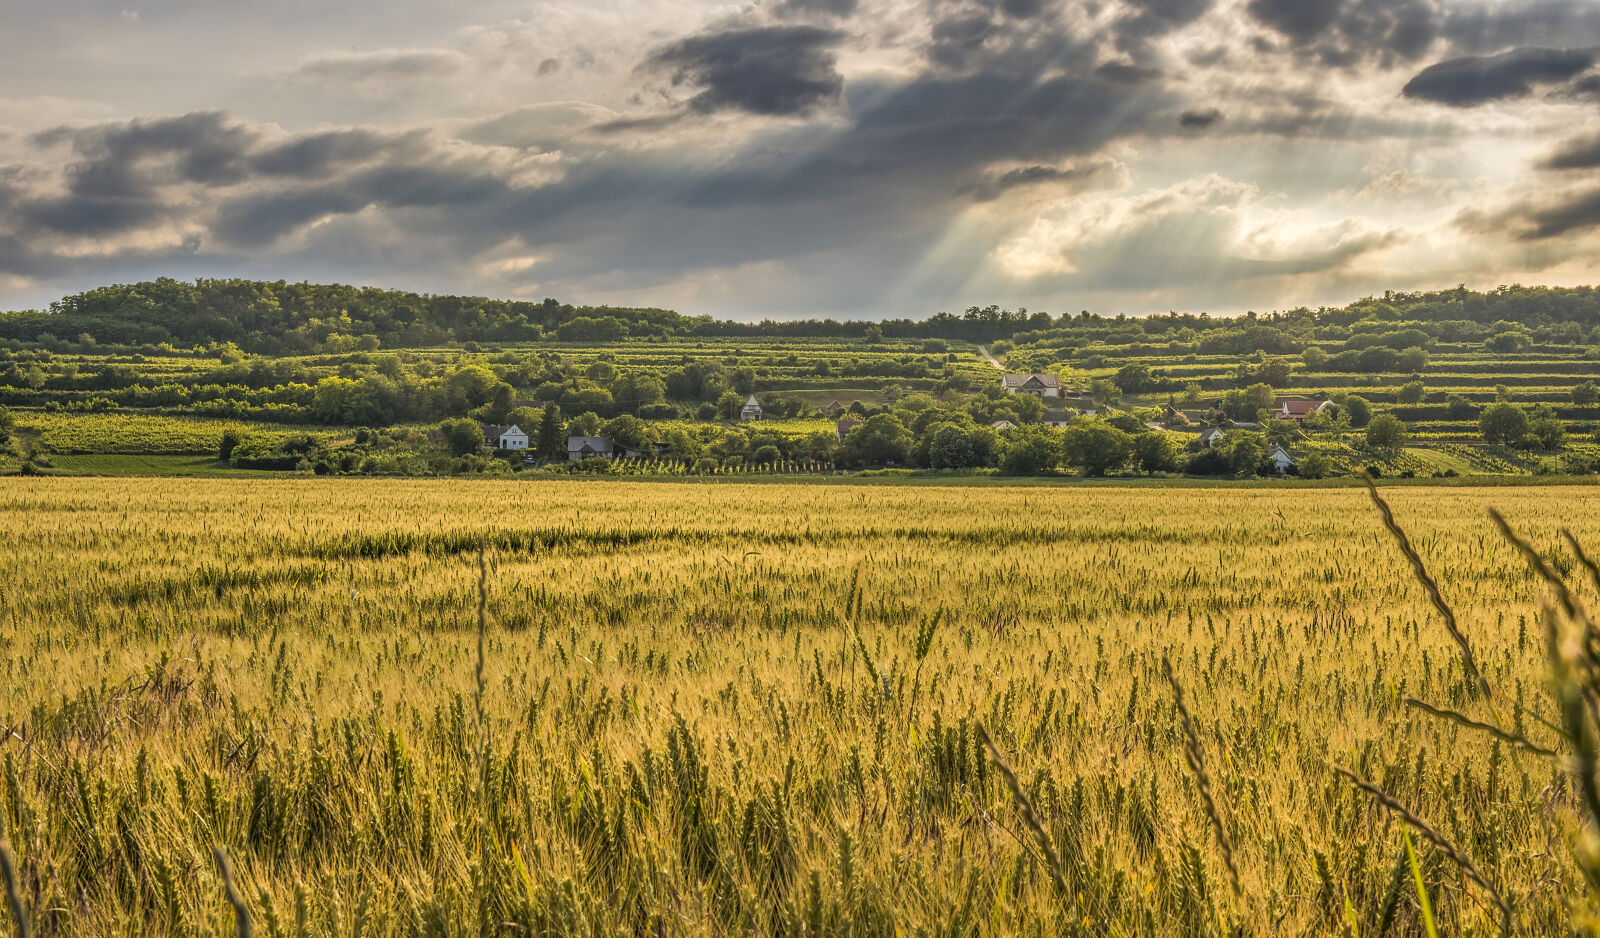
(1210, 436)
(1002, 425)
(751, 409)
(1281, 460)
(500, 437)
(1037, 385)
(843, 428)
(1055, 418)
(583, 447)
(1300, 410)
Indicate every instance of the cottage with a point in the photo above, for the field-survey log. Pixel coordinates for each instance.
(1002, 425)
(1210, 436)
(844, 427)
(500, 437)
(1281, 460)
(751, 409)
(1300, 410)
(1056, 418)
(1086, 407)
(584, 447)
(833, 408)
(1037, 385)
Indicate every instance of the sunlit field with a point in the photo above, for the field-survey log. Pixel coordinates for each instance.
(673, 714)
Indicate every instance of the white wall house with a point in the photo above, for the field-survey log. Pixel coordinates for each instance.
(751, 409)
(1281, 460)
(1210, 436)
(500, 437)
(1037, 385)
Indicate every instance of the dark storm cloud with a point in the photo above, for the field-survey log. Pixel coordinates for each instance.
(1577, 212)
(1300, 20)
(1586, 87)
(316, 156)
(992, 188)
(1344, 33)
(1579, 153)
(1482, 28)
(769, 70)
(1473, 80)
(204, 147)
(1199, 120)
(1144, 20)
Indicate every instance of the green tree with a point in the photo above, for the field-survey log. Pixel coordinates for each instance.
(1413, 359)
(879, 441)
(1105, 391)
(1546, 427)
(1155, 452)
(551, 441)
(627, 430)
(1586, 393)
(1457, 407)
(1359, 409)
(8, 424)
(461, 436)
(1246, 404)
(1412, 392)
(1502, 422)
(1030, 451)
(1097, 447)
(1386, 431)
(1314, 358)
(230, 441)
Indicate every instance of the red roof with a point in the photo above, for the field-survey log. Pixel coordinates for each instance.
(1302, 408)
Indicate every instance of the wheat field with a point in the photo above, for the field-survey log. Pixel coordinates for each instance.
(607, 708)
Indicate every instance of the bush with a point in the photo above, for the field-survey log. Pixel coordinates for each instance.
(658, 412)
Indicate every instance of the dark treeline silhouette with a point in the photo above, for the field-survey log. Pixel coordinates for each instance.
(280, 318)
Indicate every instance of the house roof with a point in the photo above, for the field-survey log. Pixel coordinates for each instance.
(1208, 433)
(588, 444)
(1302, 408)
(752, 402)
(1046, 381)
(1002, 425)
(1277, 450)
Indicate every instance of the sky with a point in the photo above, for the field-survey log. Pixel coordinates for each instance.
(800, 158)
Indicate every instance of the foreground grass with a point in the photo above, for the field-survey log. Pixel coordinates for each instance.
(685, 724)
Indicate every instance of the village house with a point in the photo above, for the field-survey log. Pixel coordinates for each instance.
(1037, 385)
(1281, 460)
(751, 409)
(500, 437)
(1086, 407)
(1055, 418)
(1002, 425)
(584, 447)
(1210, 436)
(1300, 410)
(843, 427)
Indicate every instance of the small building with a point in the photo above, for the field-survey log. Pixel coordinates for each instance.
(1086, 407)
(751, 409)
(1281, 460)
(1210, 436)
(585, 447)
(1055, 418)
(1037, 385)
(1002, 425)
(1300, 410)
(843, 428)
(833, 408)
(500, 437)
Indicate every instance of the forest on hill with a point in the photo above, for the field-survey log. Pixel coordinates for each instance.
(280, 318)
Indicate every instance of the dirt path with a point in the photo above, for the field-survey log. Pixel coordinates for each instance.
(984, 351)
